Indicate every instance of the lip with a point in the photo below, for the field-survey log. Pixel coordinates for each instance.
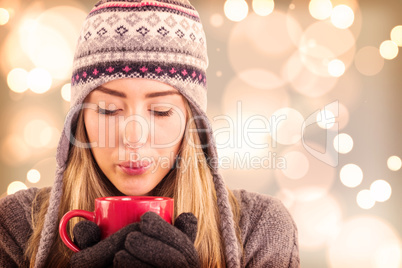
(135, 164)
(134, 168)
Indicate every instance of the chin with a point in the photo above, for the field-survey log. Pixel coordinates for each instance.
(134, 192)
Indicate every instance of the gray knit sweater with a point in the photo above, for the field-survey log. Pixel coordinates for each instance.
(269, 235)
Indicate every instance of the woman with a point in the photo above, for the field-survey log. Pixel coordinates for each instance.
(139, 100)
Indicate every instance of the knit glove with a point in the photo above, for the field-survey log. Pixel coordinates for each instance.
(160, 244)
(96, 253)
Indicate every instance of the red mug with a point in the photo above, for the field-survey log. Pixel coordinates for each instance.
(114, 212)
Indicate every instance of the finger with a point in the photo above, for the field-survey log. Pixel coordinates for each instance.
(154, 226)
(123, 259)
(102, 254)
(153, 251)
(187, 223)
(86, 234)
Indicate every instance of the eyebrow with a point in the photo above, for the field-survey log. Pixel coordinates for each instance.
(148, 95)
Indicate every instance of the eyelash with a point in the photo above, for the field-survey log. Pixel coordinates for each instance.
(112, 112)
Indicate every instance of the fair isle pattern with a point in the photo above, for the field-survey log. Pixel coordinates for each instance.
(147, 57)
(143, 34)
(134, 42)
(140, 71)
(161, 4)
(161, 40)
(180, 3)
(192, 91)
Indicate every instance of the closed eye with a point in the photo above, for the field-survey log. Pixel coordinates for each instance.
(156, 113)
(106, 112)
(164, 113)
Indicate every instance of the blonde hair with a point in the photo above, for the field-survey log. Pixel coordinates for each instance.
(192, 189)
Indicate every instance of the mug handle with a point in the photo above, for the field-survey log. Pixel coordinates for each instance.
(63, 226)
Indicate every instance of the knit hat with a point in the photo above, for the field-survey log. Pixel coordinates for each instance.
(161, 40)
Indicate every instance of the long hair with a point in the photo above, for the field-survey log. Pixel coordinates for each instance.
(190, 183)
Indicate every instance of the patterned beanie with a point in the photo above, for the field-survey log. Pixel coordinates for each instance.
(161, 40)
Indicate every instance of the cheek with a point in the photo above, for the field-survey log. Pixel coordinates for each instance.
(168, 132)
(101, 129)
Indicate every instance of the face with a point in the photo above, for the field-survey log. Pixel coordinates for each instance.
(135, 127)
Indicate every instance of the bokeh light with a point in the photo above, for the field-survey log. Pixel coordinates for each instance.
(297, 164)
(303, 80)
(365, 199)
(245, 109)
(4, 16)
(368, 61)
(49, 137)
(380, 190)
(33, 132)
(27, 25)
(16, 186)
(236, 10)
(351, 175)
(394, 163)
(238, 159)
(286, 126)
(263, 43)
(340, 114)
(17, 80)
(39, 80)
(322, 43)
(336, 68)
(263, 7)
(342, 16)
(66, 92)
(348, 90)
(241, 101)
(396, 35)
(11, 6)
(47, 169)
(14, 151)
(258, 50)
(33, 176)
(389, 49)
(365, 241)
(261, 79)
(33, 127)
(343, 143)
(216, 20)
(389, 255)
(320, 9)
(318, 221)
(353, 4)
(49, 39)
(274, 35)
(302, 14)
(12, 55)
(325, 119)
(313, 185)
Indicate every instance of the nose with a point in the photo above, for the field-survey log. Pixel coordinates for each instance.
(134, 131)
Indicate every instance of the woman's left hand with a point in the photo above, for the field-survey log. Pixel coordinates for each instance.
(160, 244)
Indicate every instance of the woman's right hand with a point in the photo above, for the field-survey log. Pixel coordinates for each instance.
(96, 253)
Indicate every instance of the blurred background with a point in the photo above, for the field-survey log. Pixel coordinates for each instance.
(304, 97)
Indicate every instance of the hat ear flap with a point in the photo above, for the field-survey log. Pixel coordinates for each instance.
(205, 133)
